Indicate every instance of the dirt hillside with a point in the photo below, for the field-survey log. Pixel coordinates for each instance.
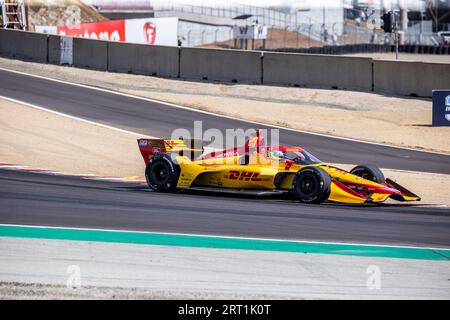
(60, 12)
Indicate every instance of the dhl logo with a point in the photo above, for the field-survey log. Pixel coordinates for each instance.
(244, 175)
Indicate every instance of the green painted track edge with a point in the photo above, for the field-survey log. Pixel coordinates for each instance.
(163, 239)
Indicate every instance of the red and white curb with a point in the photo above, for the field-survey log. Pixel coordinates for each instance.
(88, 176)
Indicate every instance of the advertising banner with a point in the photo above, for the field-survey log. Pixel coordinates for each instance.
(113, 30)
(159, 31)
(154, 31)
(441, 108)
(250, 32)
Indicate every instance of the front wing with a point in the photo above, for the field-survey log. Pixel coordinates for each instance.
(343, 193)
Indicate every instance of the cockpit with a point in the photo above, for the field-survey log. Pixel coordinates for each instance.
(299, 156)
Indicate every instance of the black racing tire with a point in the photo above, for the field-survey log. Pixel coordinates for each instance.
(162, 173)
(369, 172)
(312, 185)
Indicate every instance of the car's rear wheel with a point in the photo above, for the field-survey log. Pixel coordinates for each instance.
(162, 173)
(369, 172)
(312, 185)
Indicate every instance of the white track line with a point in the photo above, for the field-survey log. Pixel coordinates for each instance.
(226, 237)
(217, 115)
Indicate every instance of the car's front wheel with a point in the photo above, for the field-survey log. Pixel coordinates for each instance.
(312, 185)
(162, 173)
(369, 172)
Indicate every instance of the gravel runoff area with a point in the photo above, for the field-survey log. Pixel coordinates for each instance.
(39, 291)
(400, 121)
(42, 139)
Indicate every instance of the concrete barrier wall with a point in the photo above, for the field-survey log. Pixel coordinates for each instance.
(220, 65)
(317, 71)
(384, 76)
(410, 78)
(23, 45)
(92, 54)
(143, 59)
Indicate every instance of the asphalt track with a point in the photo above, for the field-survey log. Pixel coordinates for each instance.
(160, 120)
(41, 199)
(37, 199)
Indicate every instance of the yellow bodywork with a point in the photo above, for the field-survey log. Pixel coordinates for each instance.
(261, 173)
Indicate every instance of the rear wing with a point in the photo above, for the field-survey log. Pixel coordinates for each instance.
(150, 147)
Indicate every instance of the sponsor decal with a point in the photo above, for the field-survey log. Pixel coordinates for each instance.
(253, 142)
(143, 143)
(226, 154)
(250, 32)
(243, 175)
(441, 108)
(150, 32)
(288, 165)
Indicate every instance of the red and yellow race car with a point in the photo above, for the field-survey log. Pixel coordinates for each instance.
(175, 164)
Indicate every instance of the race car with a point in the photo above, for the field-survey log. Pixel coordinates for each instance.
(176, 164)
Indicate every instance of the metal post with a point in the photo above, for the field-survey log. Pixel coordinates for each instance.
(4, 16)
(396, 35)
(396, 44)
(436, 14)
(309, 35)
(332, 34)
(324, 16)
(421, 24)
(215, 36)
(285, 35)
(23, 16)
(203, 37)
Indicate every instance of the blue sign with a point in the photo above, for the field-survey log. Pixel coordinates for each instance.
(441, 108)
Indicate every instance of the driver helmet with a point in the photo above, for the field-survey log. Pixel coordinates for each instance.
(276, 155)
